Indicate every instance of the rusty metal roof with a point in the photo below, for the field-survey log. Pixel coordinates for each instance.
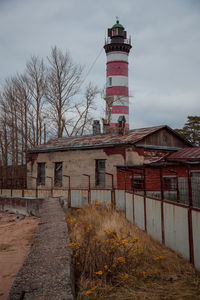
(96, 141)
(186, 154)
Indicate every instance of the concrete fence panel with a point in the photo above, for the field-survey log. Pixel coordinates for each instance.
(176, 228)
(196, 237)
(101, 195)
(16, 193)
(153, 214)
(29, 193)
(79, 198)
(129, 207)
(60, 193)
(120, 199)
(44, 193)
(139, 211)
(6, 193)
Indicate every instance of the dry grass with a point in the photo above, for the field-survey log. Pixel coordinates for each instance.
(113, 259)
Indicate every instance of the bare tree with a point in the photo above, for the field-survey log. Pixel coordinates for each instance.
(36, 80)
(83, 111)
(63, 83)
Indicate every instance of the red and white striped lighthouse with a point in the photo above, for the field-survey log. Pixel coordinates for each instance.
(117, 48)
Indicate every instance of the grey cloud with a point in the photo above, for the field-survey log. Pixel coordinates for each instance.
(163, 64)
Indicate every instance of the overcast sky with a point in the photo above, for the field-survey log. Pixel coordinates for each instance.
(164, 63)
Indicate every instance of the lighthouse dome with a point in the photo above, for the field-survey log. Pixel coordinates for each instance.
(117, 25)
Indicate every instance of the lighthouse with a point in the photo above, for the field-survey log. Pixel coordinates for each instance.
(117, 47)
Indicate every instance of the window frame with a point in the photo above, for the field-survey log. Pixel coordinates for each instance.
(40, 178)
(98, 173)
(137, 185)
(169, 186)
(56, 179)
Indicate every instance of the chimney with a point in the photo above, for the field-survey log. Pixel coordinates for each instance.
(106, 126)
(96, 127)
(120, 126)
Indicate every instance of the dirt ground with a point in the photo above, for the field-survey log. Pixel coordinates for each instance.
(16, 233)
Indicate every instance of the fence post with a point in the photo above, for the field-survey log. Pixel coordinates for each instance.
(145, 210)
(1, 185)
(162, 206)
(113, 203)
(11, 189)
(190, 230)
(22, 187)
(69, 191)
(89, 190)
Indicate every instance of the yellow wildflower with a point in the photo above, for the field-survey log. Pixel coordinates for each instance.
(155, 271)
(126, 275)
(106, 267)
(93, 288)
(87, 293)
(144, 274)
(98, 202)
(136, 240)
(73, 245)
(124, 242)
(99, 272)
(137, 260)
(158, 258)
(114, 265)
(131, 253)
(89, 228)
(121, 259)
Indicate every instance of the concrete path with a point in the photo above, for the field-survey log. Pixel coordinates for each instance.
(47, 271)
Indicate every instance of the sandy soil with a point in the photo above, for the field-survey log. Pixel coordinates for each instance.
(16, 233)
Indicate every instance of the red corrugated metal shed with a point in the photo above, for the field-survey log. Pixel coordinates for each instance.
(192, 154)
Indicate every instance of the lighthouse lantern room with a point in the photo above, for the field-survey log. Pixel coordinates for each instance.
(117, 48)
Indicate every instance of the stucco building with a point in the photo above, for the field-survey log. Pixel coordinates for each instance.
(97, 155)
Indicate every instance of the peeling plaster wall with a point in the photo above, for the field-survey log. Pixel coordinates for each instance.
(75, 163)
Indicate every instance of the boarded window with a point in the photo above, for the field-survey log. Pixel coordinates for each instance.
(58, 173)
(41, 173)
(100, 172)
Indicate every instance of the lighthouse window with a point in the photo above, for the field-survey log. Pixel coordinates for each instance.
(110, 81)
(114, 32)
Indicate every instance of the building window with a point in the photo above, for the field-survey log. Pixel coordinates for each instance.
(110, 81)
(169, 183)
(58, 173)
(138, 182)
(100, 172)
(41, 173)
